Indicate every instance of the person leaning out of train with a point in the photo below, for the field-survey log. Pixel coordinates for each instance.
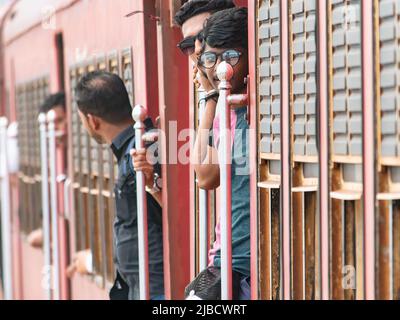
(191, 18)
(224, 38)
(105, 112)
(56, 103)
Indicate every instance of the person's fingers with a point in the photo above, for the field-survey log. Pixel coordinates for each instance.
(142, 167)
(142, 160)
(141, 151)
(135, 152)
(139, 159)
(150, 137)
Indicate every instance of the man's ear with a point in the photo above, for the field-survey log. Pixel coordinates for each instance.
(93, 121)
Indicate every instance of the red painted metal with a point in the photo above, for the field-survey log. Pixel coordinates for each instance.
(323, 148)
(242, 3)
(192, 185)
(61, 170)
(368, 146)
(174, 102)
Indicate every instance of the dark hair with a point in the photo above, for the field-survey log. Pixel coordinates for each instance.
(226, 29)
(52, 101)
(104, 95)
(193, 8)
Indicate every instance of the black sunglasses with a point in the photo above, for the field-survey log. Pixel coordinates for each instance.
(187, 45)
(209, 59)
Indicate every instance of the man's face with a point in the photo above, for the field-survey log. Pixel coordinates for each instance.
(240, 70)
(60, 123)
(89, 125)
(191, 28)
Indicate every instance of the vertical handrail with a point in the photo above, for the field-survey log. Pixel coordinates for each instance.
(45, 197)
(5, 213)
(225, 74)
(367, 8)
(323, 149)
(203, 229)
(53, 203)
(285, 153)
(139, 114)
(203, 206)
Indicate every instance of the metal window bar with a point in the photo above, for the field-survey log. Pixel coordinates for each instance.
(5, 213)
(54, 203)
(225, 74)
(45, 198)
(203, 204)
(139, 114)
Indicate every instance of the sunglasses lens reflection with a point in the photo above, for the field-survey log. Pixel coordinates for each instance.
(188, 51)
(187, 45)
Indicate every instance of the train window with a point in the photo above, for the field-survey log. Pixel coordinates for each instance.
(95, 171)
(346, 145)
(304, 176)
(113, 62)
(101, 62)
(269, 62)
(388, 140)
(127, 73)
(105, 201)
(76, 161)
(29, 97)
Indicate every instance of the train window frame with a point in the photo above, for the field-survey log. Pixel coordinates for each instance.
(29, 96)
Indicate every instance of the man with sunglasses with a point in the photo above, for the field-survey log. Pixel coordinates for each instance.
(224, 38)
(191, 18)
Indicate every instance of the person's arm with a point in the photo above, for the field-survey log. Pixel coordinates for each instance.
(140, 163)
(204, 156)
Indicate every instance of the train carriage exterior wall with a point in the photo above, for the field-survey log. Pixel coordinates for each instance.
(325, 146)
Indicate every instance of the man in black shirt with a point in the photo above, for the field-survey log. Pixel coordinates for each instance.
(105, 112)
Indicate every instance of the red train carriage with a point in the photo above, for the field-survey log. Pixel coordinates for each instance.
(322, 94)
